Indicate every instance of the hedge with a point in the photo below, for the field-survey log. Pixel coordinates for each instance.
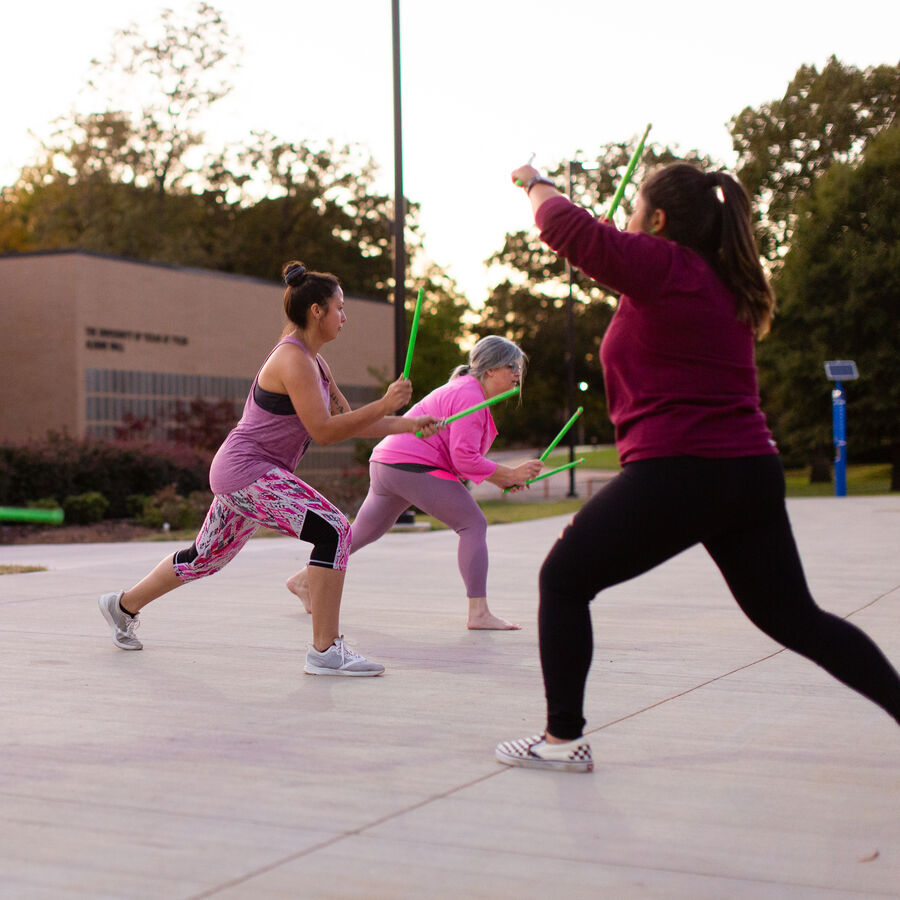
(61, 467)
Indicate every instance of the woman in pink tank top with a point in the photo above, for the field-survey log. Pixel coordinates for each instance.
(293, 400)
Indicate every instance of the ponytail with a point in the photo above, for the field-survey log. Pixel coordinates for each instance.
(739, 265)
(710, 213)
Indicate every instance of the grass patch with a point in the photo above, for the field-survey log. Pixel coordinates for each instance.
(18, 570)
(868, 480)
(499, 512)
(187, 535)
(862, 480)
(601, 458)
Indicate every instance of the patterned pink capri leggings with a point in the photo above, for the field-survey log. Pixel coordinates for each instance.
(278, 500)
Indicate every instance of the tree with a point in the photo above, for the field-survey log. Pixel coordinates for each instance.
(786, 145)
(839, 293)
(122, 181)
(180, 67)
(319, 203)
(440, 333)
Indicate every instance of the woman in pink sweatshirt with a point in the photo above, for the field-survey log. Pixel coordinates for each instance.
(428, 473)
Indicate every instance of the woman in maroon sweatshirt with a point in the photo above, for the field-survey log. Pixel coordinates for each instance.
(699, 462)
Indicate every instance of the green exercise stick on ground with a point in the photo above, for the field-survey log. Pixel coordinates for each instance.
(632, 164)
(562, 434)
(20, 514)
(505, 395)
(412, 334)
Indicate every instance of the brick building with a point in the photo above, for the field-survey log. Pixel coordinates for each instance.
(85, 338)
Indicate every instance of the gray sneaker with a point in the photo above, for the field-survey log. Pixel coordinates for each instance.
(339, 659)
(122, 625)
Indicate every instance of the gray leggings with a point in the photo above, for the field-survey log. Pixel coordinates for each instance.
(391, 491)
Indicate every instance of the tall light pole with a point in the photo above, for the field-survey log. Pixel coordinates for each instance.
(571, 403)
(398, 225)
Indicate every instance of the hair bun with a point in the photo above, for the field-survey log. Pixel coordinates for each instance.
(293, 274)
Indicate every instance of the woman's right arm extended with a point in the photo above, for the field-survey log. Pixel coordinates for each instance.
(300, 376)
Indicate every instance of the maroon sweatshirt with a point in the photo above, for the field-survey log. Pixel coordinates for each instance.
(679, 367)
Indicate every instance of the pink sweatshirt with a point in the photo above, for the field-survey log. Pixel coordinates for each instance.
(457, 451)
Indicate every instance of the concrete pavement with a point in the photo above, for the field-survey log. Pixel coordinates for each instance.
(209, 765)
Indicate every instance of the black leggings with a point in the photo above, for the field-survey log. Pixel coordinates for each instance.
(654, 510)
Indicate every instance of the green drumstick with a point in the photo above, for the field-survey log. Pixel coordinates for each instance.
(562, 434)
(570, 465)
(412, 334)
(506, 394)
(19, 514)
(632, 163)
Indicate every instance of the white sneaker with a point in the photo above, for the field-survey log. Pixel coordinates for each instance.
(535, 753)
(121, 623)
(339, 659)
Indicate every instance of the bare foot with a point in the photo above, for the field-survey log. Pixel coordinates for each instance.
(299, 584)
(489, 622)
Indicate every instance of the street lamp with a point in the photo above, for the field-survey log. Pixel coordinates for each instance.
(572, 165)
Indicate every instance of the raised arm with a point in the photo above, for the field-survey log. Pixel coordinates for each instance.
(538, 188)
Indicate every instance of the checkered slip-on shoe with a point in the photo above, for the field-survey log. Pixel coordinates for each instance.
(535, 753)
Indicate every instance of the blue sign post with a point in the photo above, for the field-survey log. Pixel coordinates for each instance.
(837, 370)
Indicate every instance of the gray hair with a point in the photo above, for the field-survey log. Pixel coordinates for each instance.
(491, 352)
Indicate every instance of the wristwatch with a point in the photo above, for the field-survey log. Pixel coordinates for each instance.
(537, 179)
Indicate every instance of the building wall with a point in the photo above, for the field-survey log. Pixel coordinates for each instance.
(38, 379)
(85, 336)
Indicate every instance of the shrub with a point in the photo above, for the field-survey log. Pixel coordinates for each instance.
(85, 509)
(43, 503)
(134, 505)
(61, 466)
(180, 512)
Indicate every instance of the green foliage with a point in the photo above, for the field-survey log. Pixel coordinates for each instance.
(85, 509)
(134, 505)
(43, 503)
(129, 180)
(167, 505)
(437, 352)
(61, 466)
(786, 145)
(160, 78)
(839, 295)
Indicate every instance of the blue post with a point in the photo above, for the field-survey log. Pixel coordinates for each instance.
(839, 422)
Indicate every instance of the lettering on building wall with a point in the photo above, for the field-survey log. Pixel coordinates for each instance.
(114, 338)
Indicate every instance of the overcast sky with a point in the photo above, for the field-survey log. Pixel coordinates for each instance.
(484, 84)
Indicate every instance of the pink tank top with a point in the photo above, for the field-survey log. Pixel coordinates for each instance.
(262, 440)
